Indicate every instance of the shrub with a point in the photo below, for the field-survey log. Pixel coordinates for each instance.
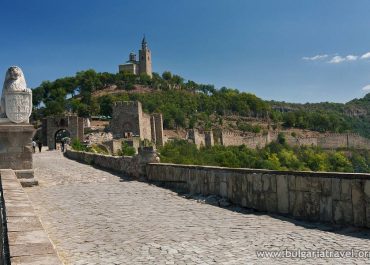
(78, 146)
(126, 150)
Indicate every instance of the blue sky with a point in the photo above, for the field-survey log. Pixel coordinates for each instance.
(296, 51)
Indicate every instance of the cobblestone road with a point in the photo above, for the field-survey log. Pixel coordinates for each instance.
(94, 217)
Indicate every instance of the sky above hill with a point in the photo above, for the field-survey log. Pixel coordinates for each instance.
(287, 50)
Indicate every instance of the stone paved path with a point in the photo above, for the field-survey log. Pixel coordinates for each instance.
(94, 217)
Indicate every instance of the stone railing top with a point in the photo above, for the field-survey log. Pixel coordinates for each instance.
(274, 172)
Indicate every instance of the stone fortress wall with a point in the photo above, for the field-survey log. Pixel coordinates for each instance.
(337, 198)
(130, 121)
(325, 140)
(252, 141)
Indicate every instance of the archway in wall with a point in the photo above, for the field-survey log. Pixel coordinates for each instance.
(60, 135)
(127, 130)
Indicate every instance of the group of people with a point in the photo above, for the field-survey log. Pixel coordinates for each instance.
(39, 145)
(34, 144)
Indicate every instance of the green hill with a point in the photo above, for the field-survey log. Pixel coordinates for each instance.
(186, 104)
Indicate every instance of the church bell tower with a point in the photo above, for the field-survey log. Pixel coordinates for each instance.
(145, 59)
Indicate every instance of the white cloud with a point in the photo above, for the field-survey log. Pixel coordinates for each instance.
(366, 88)
(316, 57)
(340, 59)
(337, 59)
(351, 57)
(366, 56)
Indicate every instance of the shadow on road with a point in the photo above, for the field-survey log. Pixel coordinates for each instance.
(357, 232)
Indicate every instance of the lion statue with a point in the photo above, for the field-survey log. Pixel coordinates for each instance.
(14, 81)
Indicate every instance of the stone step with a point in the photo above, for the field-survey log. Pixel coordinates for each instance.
(27, 182)
(24, 173)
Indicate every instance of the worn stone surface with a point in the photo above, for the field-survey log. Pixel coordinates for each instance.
(28, 242)
(95, 217)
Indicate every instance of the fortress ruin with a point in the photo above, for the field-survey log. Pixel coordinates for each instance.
(324, 140)
(129, 122)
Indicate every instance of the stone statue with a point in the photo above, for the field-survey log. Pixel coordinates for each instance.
(16, 98)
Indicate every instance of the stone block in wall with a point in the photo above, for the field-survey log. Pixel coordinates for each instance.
(244, 183)
(326, 186)
(291, 182)
(302, 183)
(296, 203)
(249, 189)
(244, 202)
(326, 209)
(193, 182)
(257, 198)
(217, 183)
(314, 184)
(230, 186)
(335, 184)
(237, 186)
(185, 174)
(268, 183)
(345, 192)
(282, 193)
(203, 182)
(258, 201)
(368, 215)
(223, 185)
(271, 202)
(176, 173)
(261, 202)
(211, 182)
(367, 190)
(208, 182)
(358, 203)
(342, 212)
(311, 208)
(257, 182)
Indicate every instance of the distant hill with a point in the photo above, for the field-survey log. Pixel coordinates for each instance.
(187, 104)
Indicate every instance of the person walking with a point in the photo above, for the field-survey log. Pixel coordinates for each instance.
(40, 146)
(63, 145)
(34, 146)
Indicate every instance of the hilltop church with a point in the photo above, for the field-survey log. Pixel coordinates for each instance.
(143, 66)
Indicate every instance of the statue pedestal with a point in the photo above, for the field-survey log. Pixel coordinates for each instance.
(16, 150)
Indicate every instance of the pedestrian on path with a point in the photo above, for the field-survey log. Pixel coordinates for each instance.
(40, 146)
(63, 145)
(34, 146)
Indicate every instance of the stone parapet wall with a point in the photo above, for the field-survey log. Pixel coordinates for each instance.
(338, 198)
(116, 163)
